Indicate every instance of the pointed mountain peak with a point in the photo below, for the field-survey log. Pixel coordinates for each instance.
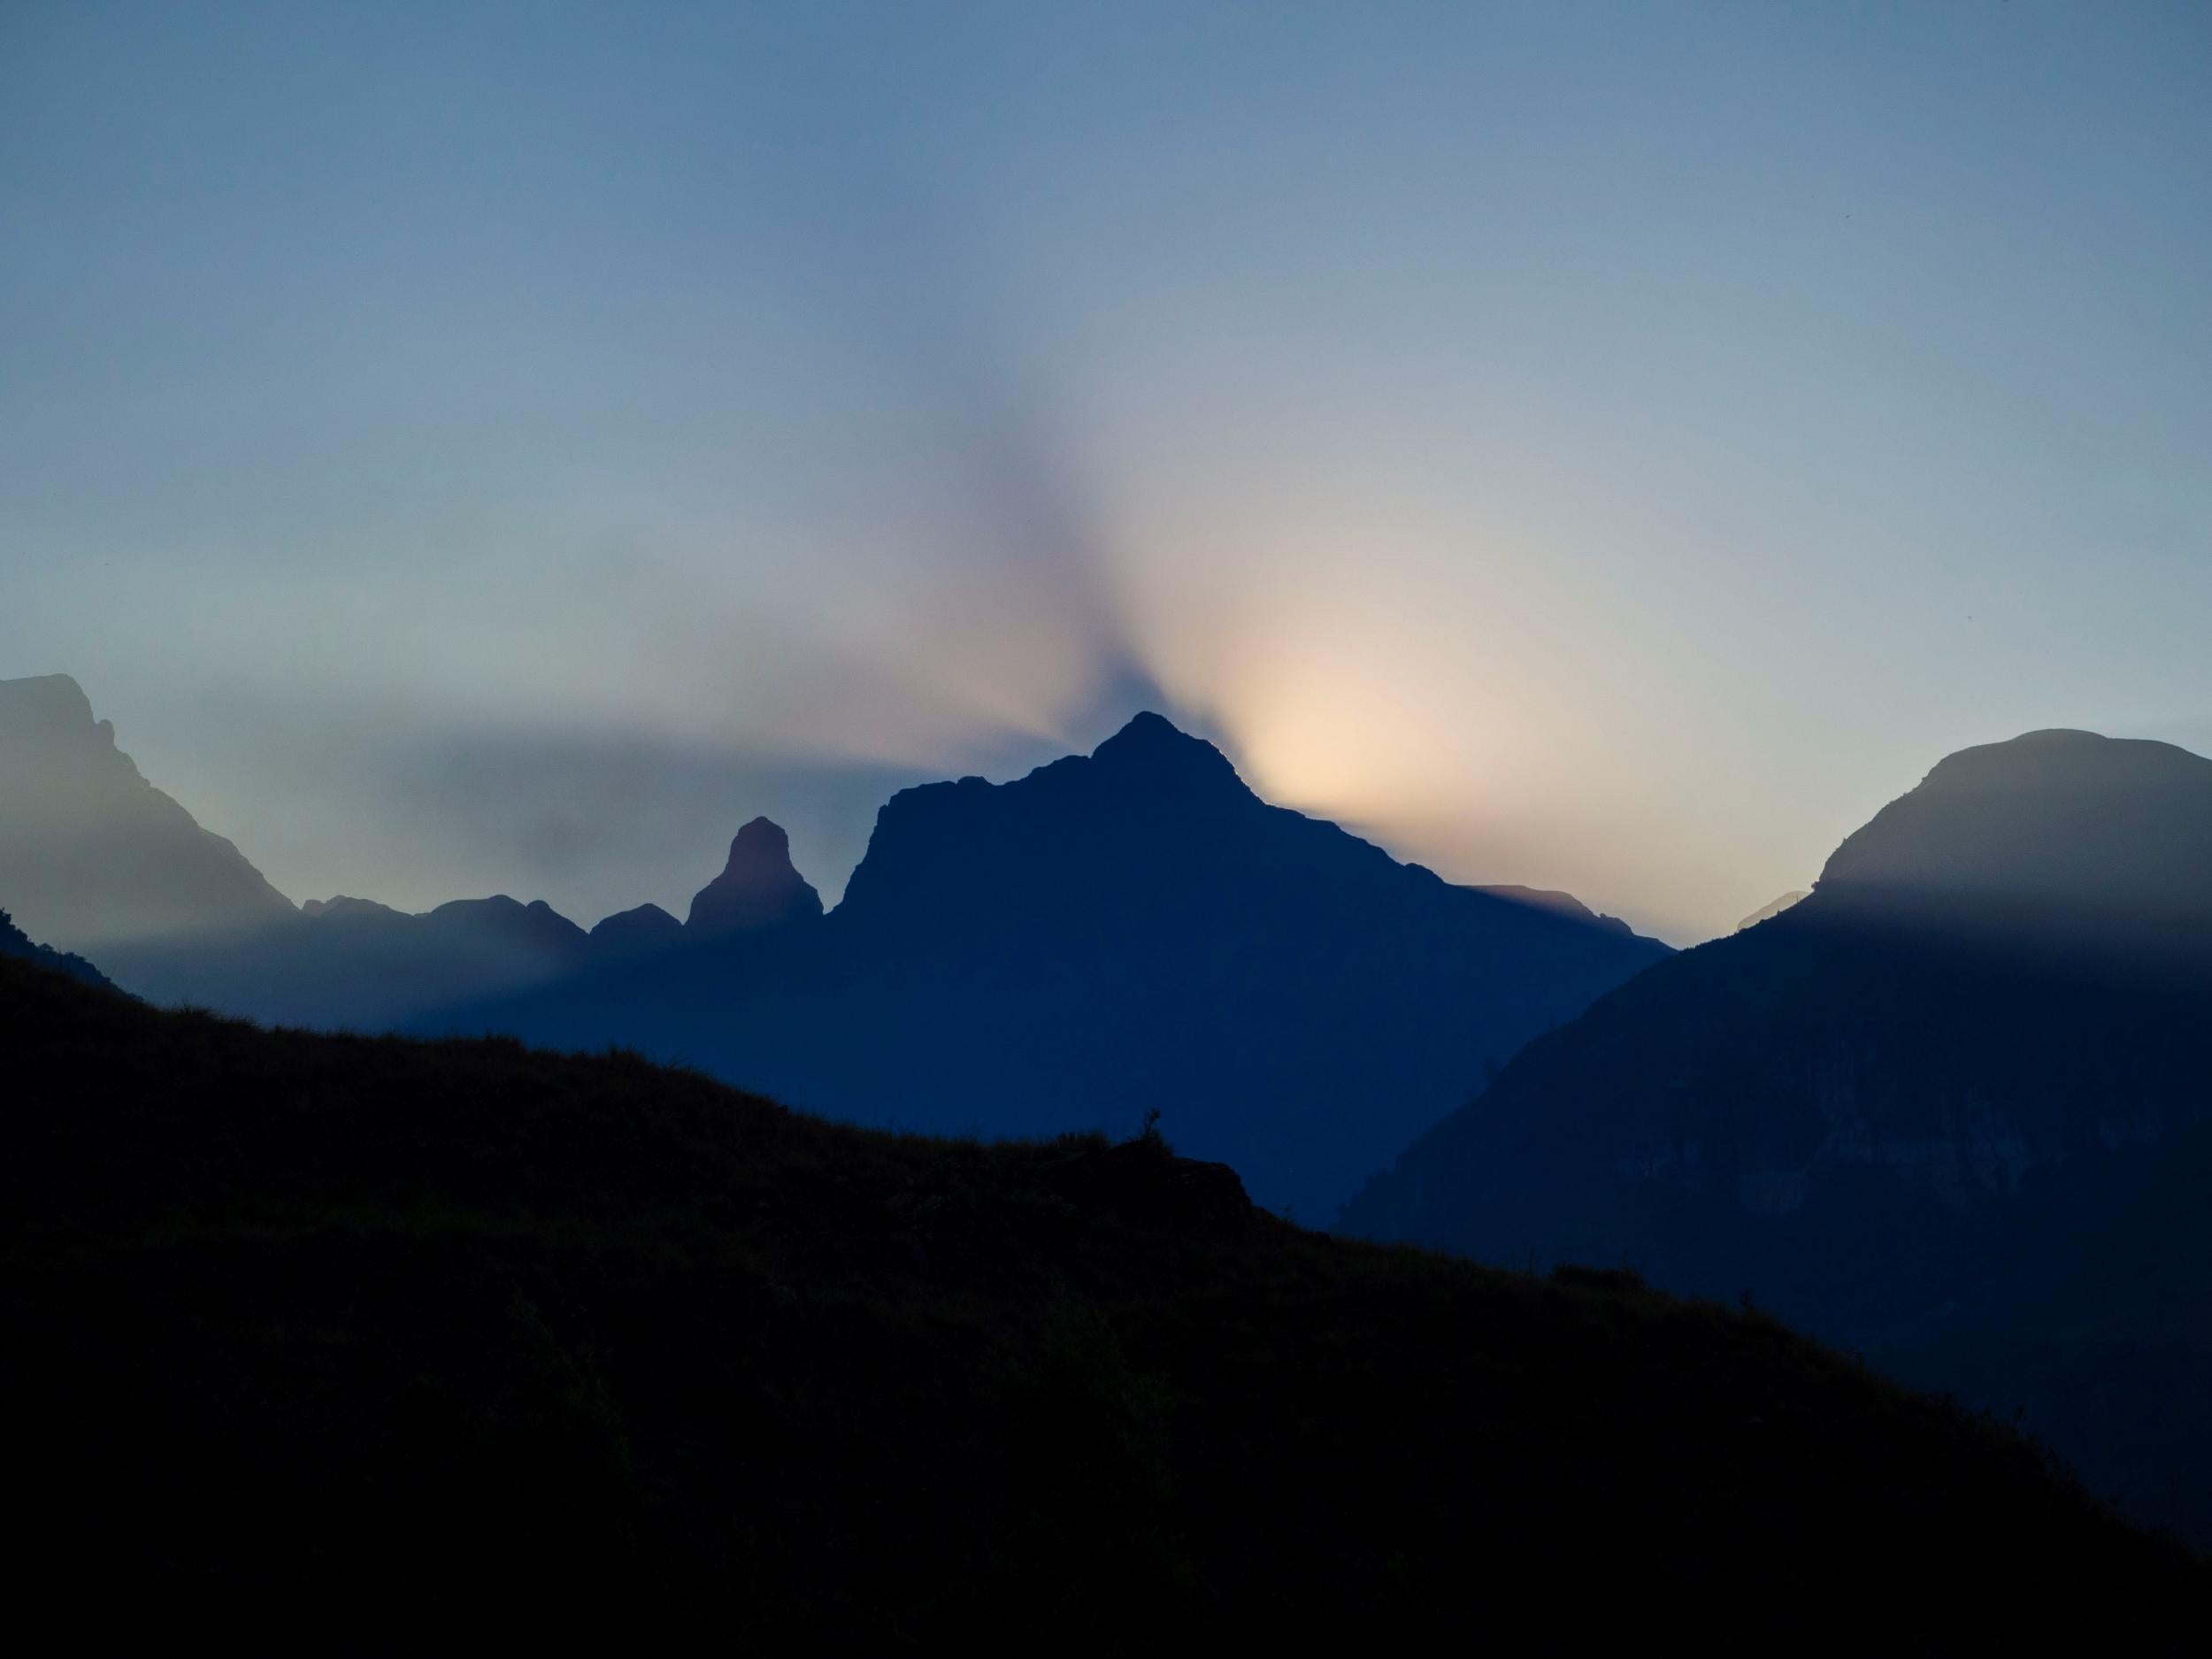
(1150, 725)
(762, 839)
(1153, 747)
(758, 887)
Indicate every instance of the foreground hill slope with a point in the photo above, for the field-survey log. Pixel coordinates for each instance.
(1954, 1109)
(370, 1340)
(1116, 931)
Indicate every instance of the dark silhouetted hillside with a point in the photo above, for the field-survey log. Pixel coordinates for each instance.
(14, 943)
(1954, 1109)
(332, 1343)
(90, 853)
(1113, 933)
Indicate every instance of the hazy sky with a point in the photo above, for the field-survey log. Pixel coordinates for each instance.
(1617, 447)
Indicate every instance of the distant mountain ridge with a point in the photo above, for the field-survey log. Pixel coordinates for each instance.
(1955, 1108)
(347, 963)
(1114, 932)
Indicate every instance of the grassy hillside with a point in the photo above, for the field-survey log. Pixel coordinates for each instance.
(359, 1342)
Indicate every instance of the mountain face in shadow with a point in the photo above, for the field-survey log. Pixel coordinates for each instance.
(337, 1341)
(758, 889)
(1118, 931)
(90, 853)
(1954, 1109)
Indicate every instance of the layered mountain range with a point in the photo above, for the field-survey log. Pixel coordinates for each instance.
(1115, 934)
(1954, 1108)
(98, 860)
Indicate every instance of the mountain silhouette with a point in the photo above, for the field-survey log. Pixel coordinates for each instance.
(647, 927)
(1954, 1108)
(758, 889)
(335, 1341)
(91, 855)
(1115, 932)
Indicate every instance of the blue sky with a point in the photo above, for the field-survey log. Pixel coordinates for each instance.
(1616, 448)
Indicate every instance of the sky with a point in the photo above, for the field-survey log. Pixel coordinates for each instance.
(1614, 448)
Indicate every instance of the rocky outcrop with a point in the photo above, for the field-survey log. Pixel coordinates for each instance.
(759, 888)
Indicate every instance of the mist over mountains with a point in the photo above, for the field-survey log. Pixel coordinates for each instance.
(1954, 1108)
